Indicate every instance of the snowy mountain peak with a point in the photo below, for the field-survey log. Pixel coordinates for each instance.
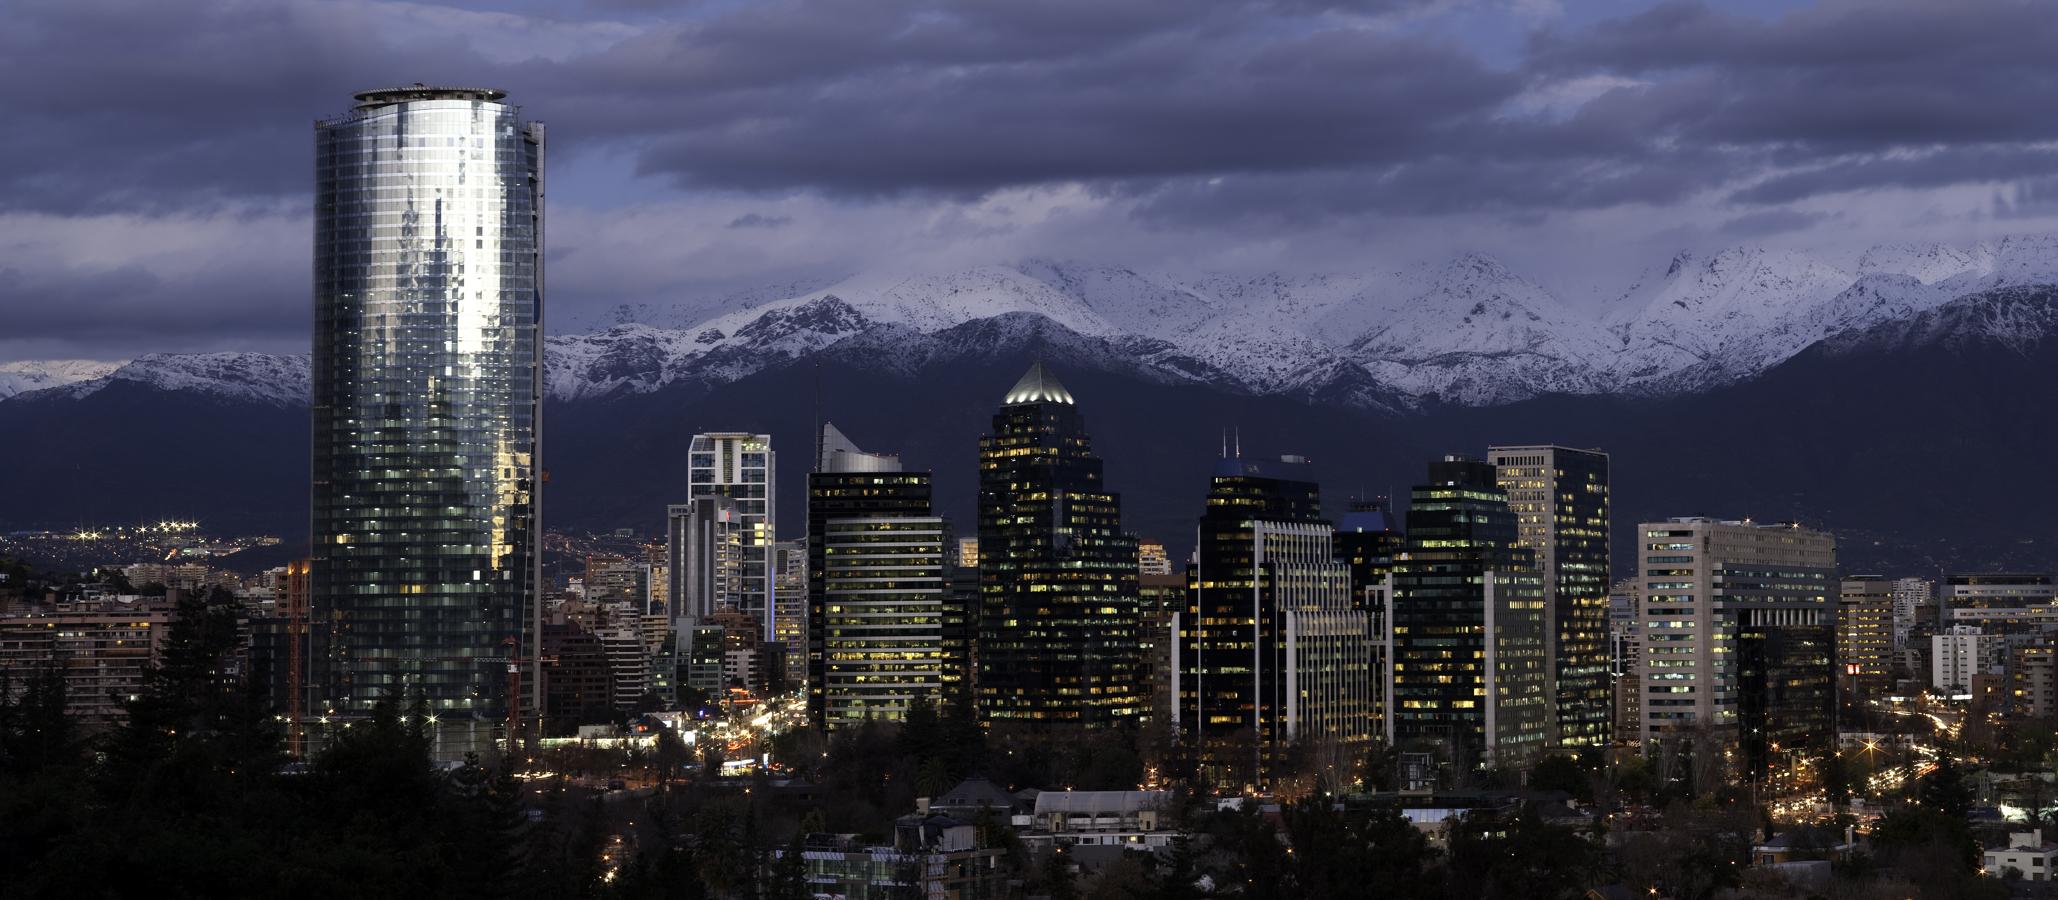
(36, 375)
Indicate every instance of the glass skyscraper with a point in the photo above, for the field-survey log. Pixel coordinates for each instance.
(1559, 496)
(1058, 643)
(428, 310)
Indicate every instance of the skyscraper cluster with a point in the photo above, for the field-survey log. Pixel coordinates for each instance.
(1477, 626)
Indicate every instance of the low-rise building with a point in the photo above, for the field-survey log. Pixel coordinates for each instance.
(2028, 853)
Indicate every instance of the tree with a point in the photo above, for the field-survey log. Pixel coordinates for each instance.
(1561, 773)
(1945, 789)
(1520, 857)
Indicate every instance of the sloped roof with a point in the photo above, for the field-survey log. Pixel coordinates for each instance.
(1037, 385)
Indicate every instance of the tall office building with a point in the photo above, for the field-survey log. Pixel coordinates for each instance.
(1865, 635)
(428, 308)
(1369, 540)
(1466, 625)
(742, 468)
(708, 544)
(878, 588)
(1272, 651)
(1739, 633)
(1559, 496)
(1057, 576)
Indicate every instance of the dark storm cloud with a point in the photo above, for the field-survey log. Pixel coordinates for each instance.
(1770, 221)
(1838, 91)
(147, 106)
(135, 309)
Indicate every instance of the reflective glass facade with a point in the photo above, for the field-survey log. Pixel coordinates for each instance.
(428, 316)
(1058, 643)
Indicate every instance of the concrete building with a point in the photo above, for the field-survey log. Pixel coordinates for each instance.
(103, 649)
(1739, 633)
(1559, 496)
(2033, 680)
(1865, 635)
(1962, 653)
(1913, 597)
(2034, 858)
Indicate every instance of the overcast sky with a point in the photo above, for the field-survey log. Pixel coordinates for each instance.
(156, 155)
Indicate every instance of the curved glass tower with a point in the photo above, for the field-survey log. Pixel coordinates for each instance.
(428, 312)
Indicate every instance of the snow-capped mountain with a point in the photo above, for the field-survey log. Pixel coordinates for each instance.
(35, 375)
(260, 378)
(1469, 331)
(1709, 321)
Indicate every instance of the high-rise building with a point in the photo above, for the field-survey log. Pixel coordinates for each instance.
(1273, 653)
(1913, 597)
(1368, 540)
(428, 286)
(708, 545)
(742, 468)
(1559, 496)
(789, 615)
(2020, 605)
(1739, 634)
(1466, 625)
(1625, 639)
(1865, 634)
(878, 588)
(1057, 575)
(1160, 600)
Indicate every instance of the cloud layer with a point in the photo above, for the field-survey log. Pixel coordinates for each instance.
(708, 146)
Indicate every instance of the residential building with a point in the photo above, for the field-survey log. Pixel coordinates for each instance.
(742, 468)
(1058, 616)
(2033, 679)
(1559, 496)
(2032, 857)
(427, 374)
(1739, 634)
(1272, 649)
(1466, 626)
(1960, 654)
(103, 649)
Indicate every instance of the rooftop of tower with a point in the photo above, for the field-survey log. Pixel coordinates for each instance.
(1037, 385)
(420, 91)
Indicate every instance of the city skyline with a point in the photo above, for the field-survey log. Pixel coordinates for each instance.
(1288, 473)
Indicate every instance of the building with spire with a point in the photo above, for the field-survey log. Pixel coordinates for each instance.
(1273, 677)
(1058, 645)
(878, 617)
